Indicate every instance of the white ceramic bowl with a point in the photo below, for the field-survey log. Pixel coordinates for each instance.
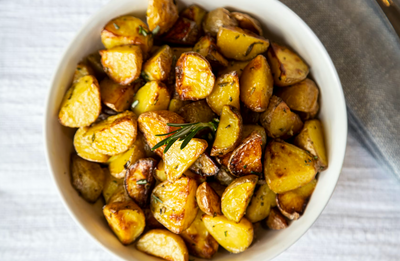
(280, 24)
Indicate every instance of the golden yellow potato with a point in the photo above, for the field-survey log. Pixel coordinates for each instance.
(174, 204)
(115, 96)
(161, 13)
(178, 160)
(234, 237)
(122, 64)
(164, 244)
(275, 220)
(208, 200)
(217, 18)
(113, 135)
(311, 138)
(111, 185)
(264, 198)
(249, 128)
(81, 104)
(226, 92)
(194, 77)
(279, 121)
(239, 44)
(87, 178)
(237, 197)
(287, 167)
(198, 240)
(224, 176)
(204, 166)
(206, 47)
(229, 131)
(184, 32)
(84, 149)
(176, 104)
(197, 111)
(286, 66)
(94, 61)
(126, 30)
(82, 69)
(256, 84)
(237, 66)
(153, 96)
(125, 219)
(194, 13)
(158, 67)
(247, 22)
(161, 176)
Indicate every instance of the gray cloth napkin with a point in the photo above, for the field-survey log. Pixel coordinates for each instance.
(366, 53)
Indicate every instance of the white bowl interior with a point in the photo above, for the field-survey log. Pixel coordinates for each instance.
(280, 24)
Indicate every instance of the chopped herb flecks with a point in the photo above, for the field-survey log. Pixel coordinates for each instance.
(134, 104)
(141, 182)
(116, 26)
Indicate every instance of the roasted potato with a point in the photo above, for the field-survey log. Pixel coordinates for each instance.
(223, 176)
(237, 66)
(275, 220)
(153, 123)
(287, 167)
(234, 236)
(226, 92)
(206, 47)
(218, 188)
(237, 197)
(125, 219)
(194, 13)
(82, 69)
(229, 131)
(248, 129)
(87, 178)
(311, 138)
(184, 32)
(114, 135)
(119, 195)
(81, 104)
(126, 30)
(111, 185)
(197, 111)
(153, 96)
(115, 96)
(208, 200)
(240, 44)
(160, 175)
(204, 166)
(151, 222)
(176, 104)
(198, 240)
(84, 149)
(94, 61)
(256, 84)
(174, 204)
(161, 13)
(122, 64)
(247, 22)
(286, 66)
(264, 198)
(158, 67)
(309, 115)
(279, 121)
(217, 18)
(194, 77)
(164, 244)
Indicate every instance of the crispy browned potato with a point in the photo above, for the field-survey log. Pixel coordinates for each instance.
(151, 222)
(204, 166)
(184, 32)
(158, 67)
(113, 135)
(161, 13)
(206, 47)
(226, 92)
(287, 167)
(94, 61)
(87, 178)
(218, 188)
(279, 121)
(174, 204)
(275, 220)
(194, 77)
(229, 131)
(194, 13)
(125, 219)
(224, 177)
(122, 64)
(84, 149)
(161, 176)
(197, 111)
(82, 69)
(198, 240)
(311, 138)
(153, 96)
(234, 236)
(237, 197)
(208, 200)
(237, 66)
(248, 129)
(163, 244)
(247, 22)
(217, 18)
(256, 84)
(115, 96)
(81, 104)
(125, 30)
(286, 66)
(111, 185)
(264, 198)
(240, 44)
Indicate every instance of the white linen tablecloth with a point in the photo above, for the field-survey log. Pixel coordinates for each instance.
(361, 221)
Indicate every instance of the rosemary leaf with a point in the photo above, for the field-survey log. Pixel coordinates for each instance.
(248, 51)
(141, 182)
(156, 198)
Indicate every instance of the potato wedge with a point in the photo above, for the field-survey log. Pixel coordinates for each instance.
(237, 66)
(275, 220)
(161, 13)
(82, 69)
(264, 198)
(153, 96)
(194, 13)
(234, 237)
(205, 166)
(247, 22)
(229, 131)
(287, 167)
(119, 195)
(208, 200)
(223, 176)
(126, 30)
(94, 61)
(115, 96)
(309, 115)
(256, 84)
(194, 77)
(217, 18)
(286, 66)
(161, 176)
(111, 185)
(164, 244)
(87, 178)
(218, 188)
(226, 92)
(84, 149)
(279, 121)
(206, 47)
(198, 240)
(197, 111)
(81, 104)
(114, 135)
(248, 129)
(125, 219)
(158, 67)
(311, 138)
(174, 204)
(184, 32)
(240, 44)
(122, 64)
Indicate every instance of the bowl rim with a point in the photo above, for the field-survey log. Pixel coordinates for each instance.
(51, 89)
